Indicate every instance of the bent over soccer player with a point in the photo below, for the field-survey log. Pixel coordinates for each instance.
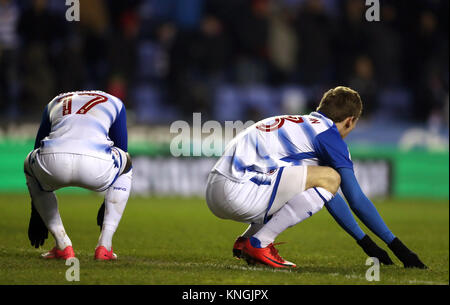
(284, 169)
(82, 141)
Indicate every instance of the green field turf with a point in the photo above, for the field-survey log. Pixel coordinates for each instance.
(178, 241)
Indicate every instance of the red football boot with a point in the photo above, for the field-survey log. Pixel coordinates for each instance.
(60, 254)
(104, 255)
(267, 256)
(238, 246)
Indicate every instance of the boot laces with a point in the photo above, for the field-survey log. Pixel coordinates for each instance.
(274, 251)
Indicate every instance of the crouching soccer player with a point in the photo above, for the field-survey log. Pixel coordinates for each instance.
(82, 141)
(284, 169)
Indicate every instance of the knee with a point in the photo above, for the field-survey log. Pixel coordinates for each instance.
(335, 180)
(324, 177)
(332, 180)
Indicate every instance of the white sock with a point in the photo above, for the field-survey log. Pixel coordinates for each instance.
(115, 202)
(47, 206)
(294, 211)
(105, 238)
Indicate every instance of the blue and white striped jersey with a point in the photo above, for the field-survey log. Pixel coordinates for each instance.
(283, 141)
(83, 122)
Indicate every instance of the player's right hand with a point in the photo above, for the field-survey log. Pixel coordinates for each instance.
(37, 230)
(373, 250)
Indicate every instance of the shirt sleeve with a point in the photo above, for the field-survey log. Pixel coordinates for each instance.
(362, 206)
(44, 128)
(332, 150)
(118, 131)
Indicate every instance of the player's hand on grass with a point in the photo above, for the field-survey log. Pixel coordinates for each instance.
(37, 230)
(372, 250)
(405, 255)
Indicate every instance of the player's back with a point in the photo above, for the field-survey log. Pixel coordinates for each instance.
(80, 122)
(272, 143)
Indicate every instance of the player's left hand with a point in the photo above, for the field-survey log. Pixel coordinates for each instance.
(37, 230)
(405, 255)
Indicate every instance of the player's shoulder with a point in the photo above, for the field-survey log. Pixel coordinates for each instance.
(318, 123)
(316, 118)
(114, 99)
(325, 128)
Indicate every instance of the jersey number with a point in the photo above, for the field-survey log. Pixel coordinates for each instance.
(278, 123)
(67, 103)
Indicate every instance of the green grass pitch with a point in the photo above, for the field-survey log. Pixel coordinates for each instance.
(178, 241)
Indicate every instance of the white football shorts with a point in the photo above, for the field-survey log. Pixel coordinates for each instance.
(57, 170)
(254, 201)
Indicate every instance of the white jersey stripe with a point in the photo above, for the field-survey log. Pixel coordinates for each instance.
(272, 143)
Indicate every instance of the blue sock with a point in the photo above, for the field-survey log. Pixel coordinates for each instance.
(339, 209)
(366, 211)
(255, 242)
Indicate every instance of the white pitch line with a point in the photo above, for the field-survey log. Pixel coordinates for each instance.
(268, 269)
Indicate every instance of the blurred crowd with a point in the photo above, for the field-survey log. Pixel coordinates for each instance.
(229, 59)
